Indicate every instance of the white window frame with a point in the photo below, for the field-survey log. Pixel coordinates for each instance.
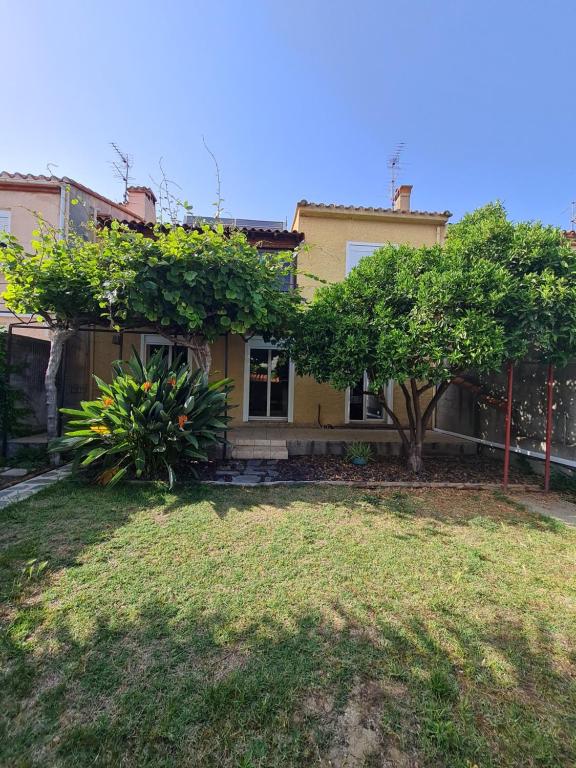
(352, 248)
(257, 342)
(365, 420)
(155, 338)
(8, 213)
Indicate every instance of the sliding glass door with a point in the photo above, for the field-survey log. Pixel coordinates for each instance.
(268, 383)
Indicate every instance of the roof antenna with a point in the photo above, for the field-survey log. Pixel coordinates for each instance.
(122, 168)
(394, 168)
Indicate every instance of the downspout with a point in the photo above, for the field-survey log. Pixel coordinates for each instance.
(63, 218)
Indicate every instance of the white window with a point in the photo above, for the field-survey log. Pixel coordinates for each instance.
(356, 251)
(5, 221)
(152, 342)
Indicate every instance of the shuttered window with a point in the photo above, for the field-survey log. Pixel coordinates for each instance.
(357, 251)
(4, 221)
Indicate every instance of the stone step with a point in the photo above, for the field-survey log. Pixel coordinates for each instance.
(243, 448)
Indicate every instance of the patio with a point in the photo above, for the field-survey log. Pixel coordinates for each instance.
(263, 440)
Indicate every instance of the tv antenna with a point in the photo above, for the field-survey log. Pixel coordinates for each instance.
(394, 168)
(122, 168)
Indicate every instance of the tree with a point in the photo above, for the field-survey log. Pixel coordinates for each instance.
(422, 316)
(193, 286)
(60, 282)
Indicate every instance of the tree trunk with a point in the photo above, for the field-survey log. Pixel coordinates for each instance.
(415, 456)
(201, 355)
(412, 436)
(58, 338)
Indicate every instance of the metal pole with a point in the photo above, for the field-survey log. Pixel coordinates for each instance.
(225, 446)
(549, 404)
(508, 426)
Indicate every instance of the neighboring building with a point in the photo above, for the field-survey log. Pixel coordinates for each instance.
(62, 203)
(266, 387)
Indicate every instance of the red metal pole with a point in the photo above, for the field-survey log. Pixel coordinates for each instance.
(549, 404)
(508, 426)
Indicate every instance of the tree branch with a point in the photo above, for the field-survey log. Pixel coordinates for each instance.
(395, 420)
(432, 404)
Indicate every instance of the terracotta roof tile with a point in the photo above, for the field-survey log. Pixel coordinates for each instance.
(370, 209)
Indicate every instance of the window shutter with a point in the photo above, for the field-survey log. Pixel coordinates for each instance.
(357, 251)
(4, 221)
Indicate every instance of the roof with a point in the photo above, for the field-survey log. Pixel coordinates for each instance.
(195, 221)
(272, 238)
(364, 209)
(31, 178)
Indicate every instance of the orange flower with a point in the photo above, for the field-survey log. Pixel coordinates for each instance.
(172, 381)
(146, 386)
(182, 419)
(100, 429)
(106, 401)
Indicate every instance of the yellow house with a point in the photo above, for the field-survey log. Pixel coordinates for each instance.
(269, 399)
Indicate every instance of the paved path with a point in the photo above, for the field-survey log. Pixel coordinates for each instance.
(551, 506)
(249, 472)
(32, 486)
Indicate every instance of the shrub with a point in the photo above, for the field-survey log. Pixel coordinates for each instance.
(361, 452)
(149, 417)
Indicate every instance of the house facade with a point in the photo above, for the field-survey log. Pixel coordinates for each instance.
(267, 390)
(63, 204)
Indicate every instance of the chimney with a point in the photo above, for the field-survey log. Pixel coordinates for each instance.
(402, 198)
(142, 202)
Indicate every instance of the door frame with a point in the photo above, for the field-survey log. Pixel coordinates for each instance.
(364, 420)
(257, 342)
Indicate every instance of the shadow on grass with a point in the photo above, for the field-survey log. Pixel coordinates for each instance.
(171, 690)
(180, 686)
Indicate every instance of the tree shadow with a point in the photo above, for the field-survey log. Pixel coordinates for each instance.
(176, 683)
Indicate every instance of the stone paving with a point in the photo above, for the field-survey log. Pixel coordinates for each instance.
(249, 472)
(551, 506)
(29, 487)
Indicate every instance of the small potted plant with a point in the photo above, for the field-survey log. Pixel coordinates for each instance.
(359, 454)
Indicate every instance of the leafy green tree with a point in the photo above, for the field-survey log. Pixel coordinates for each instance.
(423, 316)
(196, 285)
(60, 282)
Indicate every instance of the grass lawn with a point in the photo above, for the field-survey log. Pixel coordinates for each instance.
(240, 627)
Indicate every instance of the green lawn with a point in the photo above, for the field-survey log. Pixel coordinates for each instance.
(285, 627)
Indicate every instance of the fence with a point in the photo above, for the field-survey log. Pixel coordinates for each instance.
(475, 407)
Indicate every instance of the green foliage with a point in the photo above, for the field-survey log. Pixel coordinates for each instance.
(60, 280)
(199, 283)
(538, 313)
(359, 451)
(403, 313)
(149, 417)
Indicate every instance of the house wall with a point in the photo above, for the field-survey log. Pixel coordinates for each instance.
(327, 233)
(326, 238)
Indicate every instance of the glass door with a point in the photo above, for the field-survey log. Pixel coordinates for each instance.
(268, 382)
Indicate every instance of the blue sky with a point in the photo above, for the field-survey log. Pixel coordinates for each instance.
(305, 99)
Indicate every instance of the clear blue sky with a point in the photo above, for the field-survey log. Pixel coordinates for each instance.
(301, 99)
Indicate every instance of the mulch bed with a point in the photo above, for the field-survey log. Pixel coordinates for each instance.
(451, 469)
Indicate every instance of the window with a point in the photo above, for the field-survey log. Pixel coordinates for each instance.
(5, 221)
(356, 251)
(287, 281)
(152, 343)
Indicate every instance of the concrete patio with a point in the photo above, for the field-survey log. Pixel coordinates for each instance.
(278, 441)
